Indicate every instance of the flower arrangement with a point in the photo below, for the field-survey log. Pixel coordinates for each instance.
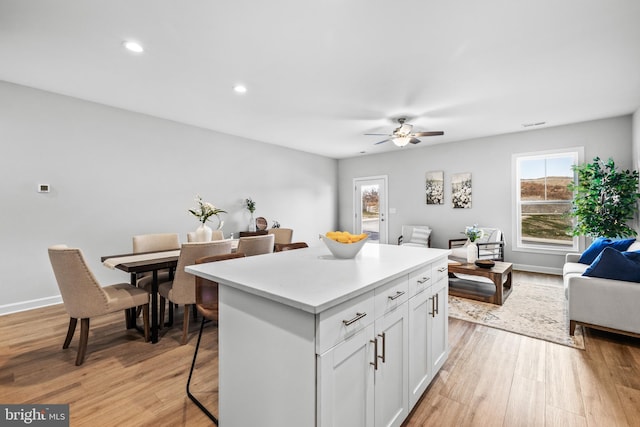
(205, 210)
(473, 233)
(251, 205)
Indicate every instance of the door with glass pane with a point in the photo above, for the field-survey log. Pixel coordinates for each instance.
(370, 208)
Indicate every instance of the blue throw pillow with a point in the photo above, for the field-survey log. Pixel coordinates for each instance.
(616, 265)
(603, 242)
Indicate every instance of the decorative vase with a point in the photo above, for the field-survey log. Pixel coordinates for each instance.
(472, 253)
(252, 223)
(203, 233)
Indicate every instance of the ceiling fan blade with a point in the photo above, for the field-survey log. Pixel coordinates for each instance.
(379, 134)
(388, 139)
(432, 133)
(414, 140)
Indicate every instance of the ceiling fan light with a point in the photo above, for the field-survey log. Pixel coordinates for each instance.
(401, 141)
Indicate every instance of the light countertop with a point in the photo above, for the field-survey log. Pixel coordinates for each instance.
(312, 279)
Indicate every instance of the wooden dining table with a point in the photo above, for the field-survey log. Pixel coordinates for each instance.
(142, 263)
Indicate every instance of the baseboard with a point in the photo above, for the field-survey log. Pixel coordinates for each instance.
(29, 305)
(538, 269)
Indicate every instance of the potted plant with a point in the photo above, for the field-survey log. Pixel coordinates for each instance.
(605, 200)
(204, 212)
(251, 207)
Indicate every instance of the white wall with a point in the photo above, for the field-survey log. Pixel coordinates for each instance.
(489, 161)
(115, 174)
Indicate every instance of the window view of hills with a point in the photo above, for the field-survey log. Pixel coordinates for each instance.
(546, 218)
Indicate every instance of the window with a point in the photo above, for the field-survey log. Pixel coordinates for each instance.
(543, 200)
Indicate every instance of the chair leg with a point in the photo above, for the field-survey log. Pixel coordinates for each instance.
(162, 309)
(84, 337)
(145, 319)
(72, 329)
(193, 364)
(185, 324)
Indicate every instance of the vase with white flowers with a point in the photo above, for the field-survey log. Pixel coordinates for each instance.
(204, 212)
(473, 233)
(251, 207)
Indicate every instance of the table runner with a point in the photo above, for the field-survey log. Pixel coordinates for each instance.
(112, 262)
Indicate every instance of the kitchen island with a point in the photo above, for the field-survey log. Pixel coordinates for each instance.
(307, 339)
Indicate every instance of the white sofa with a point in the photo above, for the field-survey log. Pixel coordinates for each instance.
(610, 305)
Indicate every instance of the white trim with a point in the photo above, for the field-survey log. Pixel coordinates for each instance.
(538, 269)
(29, 305)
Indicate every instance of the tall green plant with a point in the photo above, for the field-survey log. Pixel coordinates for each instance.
(605, 200)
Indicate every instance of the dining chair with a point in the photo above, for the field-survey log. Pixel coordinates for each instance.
(282, 235)
(207, 306)
(182, 289)
(215, 235)
(84, 298)
(256, 245)
(155, 243)
(280, 247)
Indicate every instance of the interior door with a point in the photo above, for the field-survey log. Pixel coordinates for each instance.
(370, 208)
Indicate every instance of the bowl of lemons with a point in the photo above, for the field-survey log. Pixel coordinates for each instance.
(343, 244)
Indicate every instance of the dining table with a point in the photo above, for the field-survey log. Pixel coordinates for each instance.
(135, 263)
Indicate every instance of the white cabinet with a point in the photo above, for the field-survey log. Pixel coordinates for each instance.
(345, 382)
(391, 373)
(428, 330)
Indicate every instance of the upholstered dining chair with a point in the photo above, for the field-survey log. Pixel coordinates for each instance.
(280, 247)
(84, 298)
(282, 235)
(215, 235)
(207, 306)
(182, 289)
(256, 245)
(155, 243)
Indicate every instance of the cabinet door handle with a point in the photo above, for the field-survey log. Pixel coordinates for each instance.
(355, 319)
(433, 307)
(384, 346)
(375, 353)
(396, 296)
(424, 280)
(437, 304)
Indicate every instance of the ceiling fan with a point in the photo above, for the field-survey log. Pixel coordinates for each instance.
(402, 135)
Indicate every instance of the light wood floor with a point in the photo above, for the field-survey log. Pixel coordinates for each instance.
(492, 377)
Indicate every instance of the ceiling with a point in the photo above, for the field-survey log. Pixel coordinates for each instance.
(322, 73)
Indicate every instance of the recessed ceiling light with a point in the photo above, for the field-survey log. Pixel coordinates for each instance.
(133, 46)
(240, 89)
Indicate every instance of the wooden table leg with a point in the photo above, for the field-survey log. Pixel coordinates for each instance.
(154, 308)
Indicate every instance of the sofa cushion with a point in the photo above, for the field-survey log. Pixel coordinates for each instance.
(635, 246)
(573, 267)
(599, 244)
(616, 265)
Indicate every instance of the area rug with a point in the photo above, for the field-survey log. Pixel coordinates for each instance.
(535, 310)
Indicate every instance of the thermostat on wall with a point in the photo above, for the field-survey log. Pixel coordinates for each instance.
(43, 188)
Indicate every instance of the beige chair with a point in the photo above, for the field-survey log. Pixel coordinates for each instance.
(84, 298)
(155, 243)
(280, 247)
(282, 235)
(207, 306)
(182, 290)
(215, 235)
(256, 245)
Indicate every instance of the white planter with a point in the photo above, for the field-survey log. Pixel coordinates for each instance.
(203, 233)
(472, 253)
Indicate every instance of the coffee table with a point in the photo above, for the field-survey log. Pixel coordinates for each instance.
(496, 293)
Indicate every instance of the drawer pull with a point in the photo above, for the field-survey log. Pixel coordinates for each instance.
(396, 296)
(443, 269)
(424, 280)
(382, 335)
(375, 353)
(355, 319)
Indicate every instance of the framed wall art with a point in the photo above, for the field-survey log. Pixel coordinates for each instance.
(434, 188)
(461, 190)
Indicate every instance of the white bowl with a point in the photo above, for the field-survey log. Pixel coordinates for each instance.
(343, 250)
